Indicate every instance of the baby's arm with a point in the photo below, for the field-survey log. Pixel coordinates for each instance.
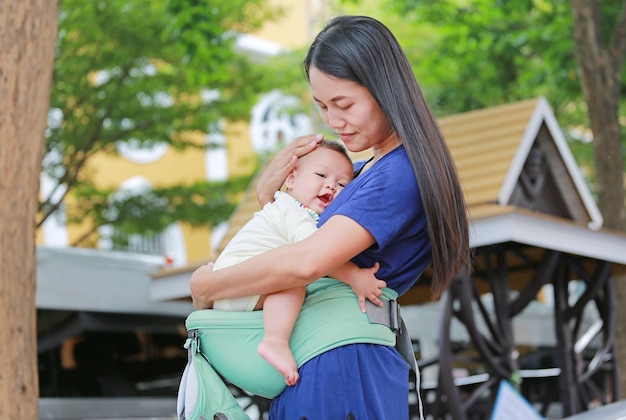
(362, 281)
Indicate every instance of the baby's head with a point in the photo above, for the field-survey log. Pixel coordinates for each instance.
(320, 175)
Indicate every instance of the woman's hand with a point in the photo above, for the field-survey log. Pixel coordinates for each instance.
(198, 277)
(273, 177)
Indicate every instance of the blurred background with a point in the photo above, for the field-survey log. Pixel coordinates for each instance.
(162, 113)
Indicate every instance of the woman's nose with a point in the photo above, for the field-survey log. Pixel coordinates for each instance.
(333, 120)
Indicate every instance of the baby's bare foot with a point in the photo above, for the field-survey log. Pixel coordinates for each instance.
(277, 354)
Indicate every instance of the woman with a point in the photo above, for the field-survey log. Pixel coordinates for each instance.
(404, 209)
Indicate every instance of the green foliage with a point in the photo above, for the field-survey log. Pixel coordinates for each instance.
(150, 211)
(143, 71)
(488, 52)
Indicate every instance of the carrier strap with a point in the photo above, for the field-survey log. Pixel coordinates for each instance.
(389, 315)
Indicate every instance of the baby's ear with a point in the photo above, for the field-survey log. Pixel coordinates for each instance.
(290, 180)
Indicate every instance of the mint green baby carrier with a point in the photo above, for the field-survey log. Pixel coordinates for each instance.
(225, 344)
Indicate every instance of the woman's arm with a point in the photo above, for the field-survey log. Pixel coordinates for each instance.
(273, 177)
(293, 265)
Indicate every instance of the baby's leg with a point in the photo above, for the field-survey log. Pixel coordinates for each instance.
(280, 311)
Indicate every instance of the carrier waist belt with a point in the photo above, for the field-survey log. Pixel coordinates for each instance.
(330, 317)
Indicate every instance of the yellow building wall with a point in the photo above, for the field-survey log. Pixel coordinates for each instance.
(173, 168)
(293, 30)
(242, 158)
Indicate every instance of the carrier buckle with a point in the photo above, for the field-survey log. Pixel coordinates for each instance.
(388, 314)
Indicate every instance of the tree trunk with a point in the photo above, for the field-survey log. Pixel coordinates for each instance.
(600, 68)
(600, 65)
(27, 40)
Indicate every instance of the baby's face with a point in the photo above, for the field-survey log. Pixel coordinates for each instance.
(318, 178)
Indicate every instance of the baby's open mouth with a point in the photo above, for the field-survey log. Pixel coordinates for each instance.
(325, 198)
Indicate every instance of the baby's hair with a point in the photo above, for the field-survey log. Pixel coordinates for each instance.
(336, 146)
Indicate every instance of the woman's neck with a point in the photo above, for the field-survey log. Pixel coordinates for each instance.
(387, 145)
(390, 143)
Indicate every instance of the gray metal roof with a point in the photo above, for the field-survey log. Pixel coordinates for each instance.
(77, 279)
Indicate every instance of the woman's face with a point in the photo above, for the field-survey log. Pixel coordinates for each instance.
(351, 110)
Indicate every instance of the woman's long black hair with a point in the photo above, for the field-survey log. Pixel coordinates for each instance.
(363, 50)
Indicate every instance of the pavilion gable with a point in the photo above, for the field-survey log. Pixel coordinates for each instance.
(516, 155)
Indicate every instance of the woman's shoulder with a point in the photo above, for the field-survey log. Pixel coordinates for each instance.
(395, 157)
(394, 170)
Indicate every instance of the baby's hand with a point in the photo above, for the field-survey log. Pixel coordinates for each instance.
(367, 286)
